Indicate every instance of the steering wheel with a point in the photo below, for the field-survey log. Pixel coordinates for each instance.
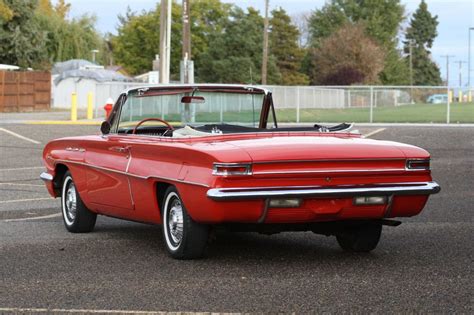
(152, 119)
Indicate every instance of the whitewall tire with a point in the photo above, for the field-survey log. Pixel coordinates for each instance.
(184, 238)
(76, 217)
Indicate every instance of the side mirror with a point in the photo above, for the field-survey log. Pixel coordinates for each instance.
(105, 127)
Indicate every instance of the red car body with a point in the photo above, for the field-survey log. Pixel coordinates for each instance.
(125, 175)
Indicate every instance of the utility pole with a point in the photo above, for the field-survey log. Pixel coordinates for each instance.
(186, 41)
(186, 30)
(447, 67)
(165, 41)
(265, 45)
(186, 65)
(460, 71)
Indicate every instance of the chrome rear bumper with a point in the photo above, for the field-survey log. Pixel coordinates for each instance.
(417, 188)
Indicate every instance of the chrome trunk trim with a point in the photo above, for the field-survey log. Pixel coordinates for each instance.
(414, 188)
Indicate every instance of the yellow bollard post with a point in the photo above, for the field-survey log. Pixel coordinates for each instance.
(73, 107)
(469, 96)
(450, 96)
(90, 109)
(460, 97)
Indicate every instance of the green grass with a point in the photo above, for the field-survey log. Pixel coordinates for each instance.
(417, 113)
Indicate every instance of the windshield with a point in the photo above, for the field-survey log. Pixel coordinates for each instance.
(219, 107)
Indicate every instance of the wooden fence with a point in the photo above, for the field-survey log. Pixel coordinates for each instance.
(25, 91)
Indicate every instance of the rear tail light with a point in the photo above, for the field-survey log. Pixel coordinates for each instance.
(418, 164)
(231, 169)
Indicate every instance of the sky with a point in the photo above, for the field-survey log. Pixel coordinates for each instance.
(455, 18)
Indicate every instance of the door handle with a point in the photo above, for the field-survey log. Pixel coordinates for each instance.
(120, 149)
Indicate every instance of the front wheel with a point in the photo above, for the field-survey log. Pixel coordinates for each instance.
(77, 218)
(361, 238)
(184, 238)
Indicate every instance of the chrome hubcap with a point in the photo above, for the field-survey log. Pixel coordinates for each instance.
(175, 222)
(71, 202)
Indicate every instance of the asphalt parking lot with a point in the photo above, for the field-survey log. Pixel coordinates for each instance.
(426, 264)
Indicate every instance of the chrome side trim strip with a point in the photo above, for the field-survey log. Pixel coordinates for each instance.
(417, 188)
(46, 177)
(134, 175)
(75, 149)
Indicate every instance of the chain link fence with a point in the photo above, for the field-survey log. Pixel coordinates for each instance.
(364, 104)
(374, 104)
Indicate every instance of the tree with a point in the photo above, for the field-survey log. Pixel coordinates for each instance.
(6, 13)
(62, 8)
(235, 54)
(301, 21)
(382, 19)
(348, 56)
(421, 34)
(21, 37)
(68, 39)
(284, 47)
(138, 39)
(208, 18)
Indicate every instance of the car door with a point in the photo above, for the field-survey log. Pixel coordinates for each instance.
(108, 184)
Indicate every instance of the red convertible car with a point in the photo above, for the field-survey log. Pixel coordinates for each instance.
(199, 157)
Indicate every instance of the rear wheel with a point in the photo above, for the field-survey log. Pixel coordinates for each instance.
(184, 238)
(361, 238)
(77, 218)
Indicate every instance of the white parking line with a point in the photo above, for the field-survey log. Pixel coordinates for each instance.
(34, 218)
(24, 200)
(19, 136)
(374, 132)
(85, 311)
(21, 168)
(20, 184)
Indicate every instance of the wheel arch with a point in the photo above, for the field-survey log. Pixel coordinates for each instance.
(59, 171)
(160, 189)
